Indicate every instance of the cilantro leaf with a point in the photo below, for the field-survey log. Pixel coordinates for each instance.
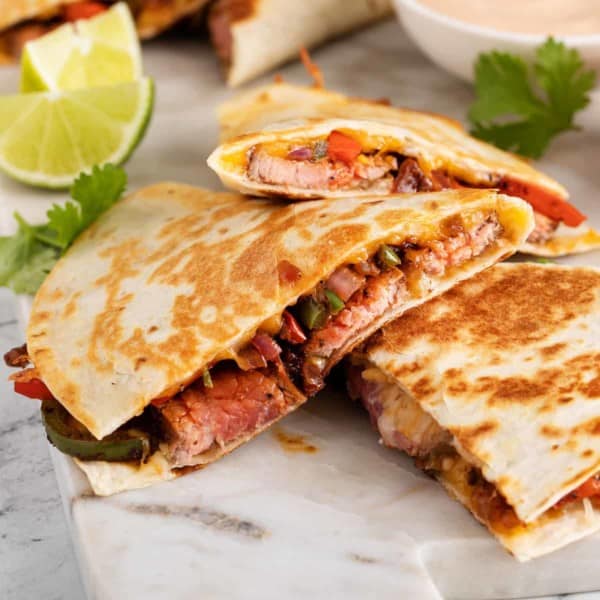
(502, 87)
(515, 114)
(94, 194)
(28, 256)
(31, 275)
(65, 221)
(560, 74)
(25, 261)
(526, 137)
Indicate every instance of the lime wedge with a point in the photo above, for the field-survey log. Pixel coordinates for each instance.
(103, 50)
(47, 138)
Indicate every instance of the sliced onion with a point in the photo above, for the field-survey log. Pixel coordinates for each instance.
(250, 358)
(291, 330)
(344, 282)
(266, 345)
(302, 153)
(367, 267)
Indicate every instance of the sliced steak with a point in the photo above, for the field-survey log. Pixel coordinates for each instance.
(239, 403)
(321, 174)
(296, 173)
(17, 357)
(455, 250)
(543, 230)
(343, 331)
(410, 178)
(222, 16)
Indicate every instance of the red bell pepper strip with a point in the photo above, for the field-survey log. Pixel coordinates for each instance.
(588, 488)
(341, 147)
(544, 202)
(33, 389)
(291, 330)
(82, 10)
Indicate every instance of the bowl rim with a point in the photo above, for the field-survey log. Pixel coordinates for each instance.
(533, 39)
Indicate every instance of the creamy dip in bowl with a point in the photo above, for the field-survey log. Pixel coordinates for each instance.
(541, 17)
(452, 33)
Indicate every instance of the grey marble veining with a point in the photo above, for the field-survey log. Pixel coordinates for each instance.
(36, 556)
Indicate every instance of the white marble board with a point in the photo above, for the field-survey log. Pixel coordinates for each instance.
(349, 519)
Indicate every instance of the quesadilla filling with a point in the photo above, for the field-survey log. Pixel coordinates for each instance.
(404, 425)
(219, 410)
(277, 369)
(342, 161)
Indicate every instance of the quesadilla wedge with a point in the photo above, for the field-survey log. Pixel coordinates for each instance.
(184, 321)
(253, 36)
(494, 387)
(25, 20)
(304, 142)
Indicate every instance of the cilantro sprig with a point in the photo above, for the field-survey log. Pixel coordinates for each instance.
(518, 112)
(28, 256)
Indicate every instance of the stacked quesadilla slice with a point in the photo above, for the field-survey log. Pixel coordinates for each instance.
(184, 321)
(494, 388)
(301, 143)
(25, 20)
(253, 36)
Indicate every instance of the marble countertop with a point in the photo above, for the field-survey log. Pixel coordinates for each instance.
(36, 553)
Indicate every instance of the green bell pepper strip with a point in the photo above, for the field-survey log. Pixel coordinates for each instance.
(335, 302)
(72, 438)
(387, 256)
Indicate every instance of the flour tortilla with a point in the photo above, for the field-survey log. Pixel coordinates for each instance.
(174, 278)
(509, 363)
(253, 36)
(565, 241)
(286, 112)
(16, 11)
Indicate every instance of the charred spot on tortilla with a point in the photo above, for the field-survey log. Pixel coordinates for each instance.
(468, 436)
(288, 272)
(551, 431)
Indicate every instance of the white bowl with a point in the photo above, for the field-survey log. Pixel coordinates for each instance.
(454, 44)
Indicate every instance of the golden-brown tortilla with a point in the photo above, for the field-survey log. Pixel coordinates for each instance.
(151, 17)
(253, 36)
(508, 363)
(174, 278)
(16, 11)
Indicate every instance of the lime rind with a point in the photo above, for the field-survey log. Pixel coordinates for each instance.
(76, 117)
